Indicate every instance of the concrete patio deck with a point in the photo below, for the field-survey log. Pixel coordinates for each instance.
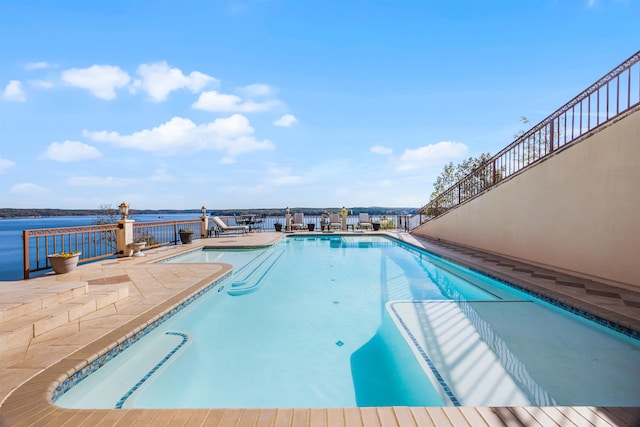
(52, 326)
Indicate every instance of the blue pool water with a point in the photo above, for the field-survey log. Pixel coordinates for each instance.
(343, 321)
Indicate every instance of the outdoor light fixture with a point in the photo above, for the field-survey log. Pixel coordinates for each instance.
(124, 210)
(204, 210)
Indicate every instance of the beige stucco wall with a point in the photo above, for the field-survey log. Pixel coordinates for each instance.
(578, 211)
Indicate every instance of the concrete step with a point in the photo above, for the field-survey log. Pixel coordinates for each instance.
(22, 324)
(22, 298)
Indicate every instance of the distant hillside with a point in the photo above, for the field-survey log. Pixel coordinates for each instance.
(34, 213)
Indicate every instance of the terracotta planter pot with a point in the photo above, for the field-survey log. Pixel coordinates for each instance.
(62, 264)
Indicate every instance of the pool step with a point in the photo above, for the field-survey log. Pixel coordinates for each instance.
(249, 282)
(51, 307)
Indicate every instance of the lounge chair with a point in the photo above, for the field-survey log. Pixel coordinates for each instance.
(221, 227)
(364, 221)
(298, 221)
(334, 221)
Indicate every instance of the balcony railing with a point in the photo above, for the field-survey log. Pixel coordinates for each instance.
(604, 101)
(98, 242)
(95, 242)
(160, 233)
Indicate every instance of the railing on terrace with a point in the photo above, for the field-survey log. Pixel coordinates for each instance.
(611, 96)
(160, 233)
(95, 242)
(99, 241)
(388, 222)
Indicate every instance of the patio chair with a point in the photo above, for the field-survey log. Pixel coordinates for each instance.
(258, 223)
(364, 221)
(334, 221)
(298, 221)
(221, 227)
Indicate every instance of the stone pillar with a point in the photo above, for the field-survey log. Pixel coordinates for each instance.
(344, 213)
(288, 221)
(124, 237)
(204, 224)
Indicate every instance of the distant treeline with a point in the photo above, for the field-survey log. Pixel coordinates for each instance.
(34, 213)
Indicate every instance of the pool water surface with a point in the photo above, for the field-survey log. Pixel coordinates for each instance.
(343, 321)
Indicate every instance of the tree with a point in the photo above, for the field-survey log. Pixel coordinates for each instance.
(451, 174)
(107, 214)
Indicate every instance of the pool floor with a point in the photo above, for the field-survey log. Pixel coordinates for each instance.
(469, 357)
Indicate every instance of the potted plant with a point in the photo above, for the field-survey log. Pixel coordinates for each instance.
(64, 262)
(278, 226)
(186, 236)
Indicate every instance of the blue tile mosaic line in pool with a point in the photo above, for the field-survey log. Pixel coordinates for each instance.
(94, 365)
(164, 360)
(445, 387)
(568, 307)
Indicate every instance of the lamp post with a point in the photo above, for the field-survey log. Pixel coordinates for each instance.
(288, 220)
(204, 224)
(124, 210)
(344, 213)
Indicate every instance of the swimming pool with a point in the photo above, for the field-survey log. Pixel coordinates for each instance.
(342, 321)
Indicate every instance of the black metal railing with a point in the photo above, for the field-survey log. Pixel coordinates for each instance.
(604, 101)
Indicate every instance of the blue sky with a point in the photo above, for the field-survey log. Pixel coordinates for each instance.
(275, 103)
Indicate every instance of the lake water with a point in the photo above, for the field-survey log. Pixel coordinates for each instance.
(11, 236)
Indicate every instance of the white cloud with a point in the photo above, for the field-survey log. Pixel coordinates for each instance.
(98, 181)
(41, 84)
(70, 151)
(5, 165)
(14, 92)
(215, 102)
(28, 189)
(283, 176)
(379, 149)
(100, 80)
(161, 175)
(158, 80)
(286, 121)
(36, 65)
(421, 157)
(232, 135)
(256, 90)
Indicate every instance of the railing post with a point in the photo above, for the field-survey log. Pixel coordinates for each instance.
(551, 135)
(25, 254)
(124, 237)
(204, 224)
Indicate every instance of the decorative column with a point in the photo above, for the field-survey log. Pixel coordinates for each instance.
(344, 213)
(288, 221)
(204, 224)
(124, 233)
